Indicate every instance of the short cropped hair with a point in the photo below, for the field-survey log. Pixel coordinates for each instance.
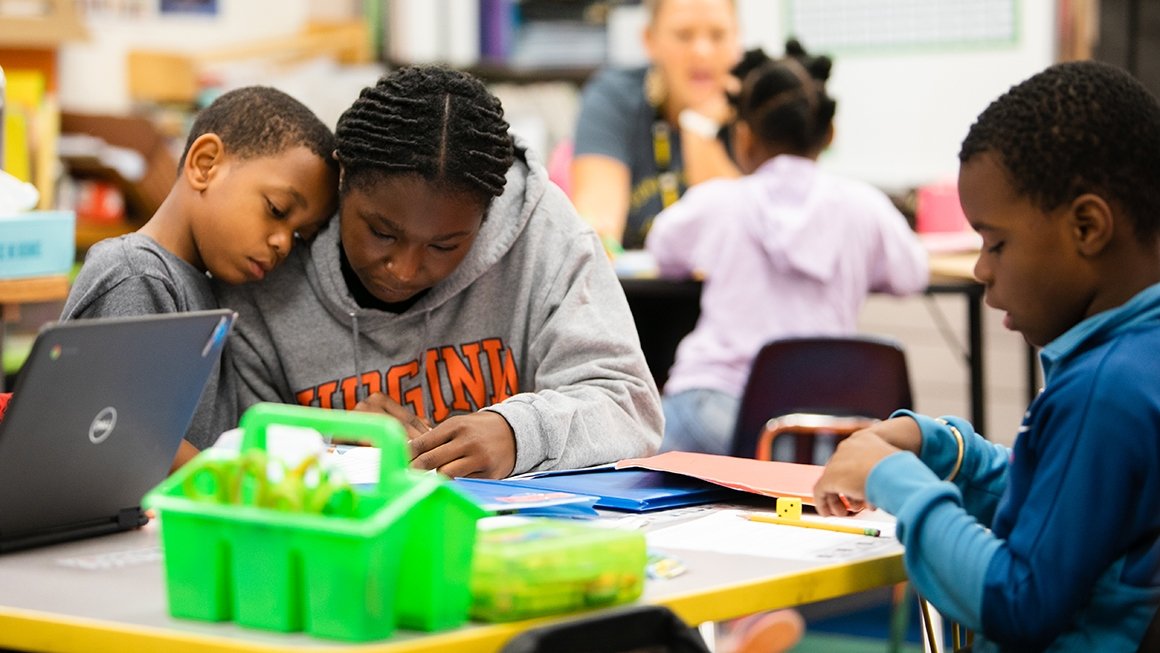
(440, 124)
(259, 121)
(1074, 128)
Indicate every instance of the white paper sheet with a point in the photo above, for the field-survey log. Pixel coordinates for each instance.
(727, 531)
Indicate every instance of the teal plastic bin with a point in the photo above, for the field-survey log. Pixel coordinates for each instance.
(403, 558)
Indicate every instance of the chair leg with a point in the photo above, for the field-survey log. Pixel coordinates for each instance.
(932, 626)
(708, 632)
(899, 616)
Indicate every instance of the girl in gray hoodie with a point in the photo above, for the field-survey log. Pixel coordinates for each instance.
(457, 291)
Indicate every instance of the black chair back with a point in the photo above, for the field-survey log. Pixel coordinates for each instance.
(647, 628)
(864, 376)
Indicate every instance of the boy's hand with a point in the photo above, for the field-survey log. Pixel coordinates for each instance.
(481, 445)
(842, 487)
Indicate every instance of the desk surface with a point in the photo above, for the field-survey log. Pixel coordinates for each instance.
(956, 267)
(107, 594)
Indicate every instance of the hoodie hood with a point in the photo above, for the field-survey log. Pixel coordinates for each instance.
(791, 193)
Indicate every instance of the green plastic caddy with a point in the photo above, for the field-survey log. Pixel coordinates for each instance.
(401, 557)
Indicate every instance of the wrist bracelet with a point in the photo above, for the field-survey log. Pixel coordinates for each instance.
(698, 123)
(958, 437)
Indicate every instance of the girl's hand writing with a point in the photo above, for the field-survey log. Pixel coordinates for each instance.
(481, 445)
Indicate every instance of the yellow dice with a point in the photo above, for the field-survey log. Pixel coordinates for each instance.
(789, 507)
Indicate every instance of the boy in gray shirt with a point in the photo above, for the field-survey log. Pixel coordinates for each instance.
(256, 174)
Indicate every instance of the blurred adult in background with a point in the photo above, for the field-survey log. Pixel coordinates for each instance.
(646, 134)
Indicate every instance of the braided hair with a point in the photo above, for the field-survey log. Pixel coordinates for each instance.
(1075, 128)
(259, 121)
(784, 101)
(432, 121)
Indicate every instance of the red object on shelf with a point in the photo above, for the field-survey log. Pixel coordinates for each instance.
(938, 209)
(99, 202)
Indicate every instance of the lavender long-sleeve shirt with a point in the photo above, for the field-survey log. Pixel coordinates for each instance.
(788, 250)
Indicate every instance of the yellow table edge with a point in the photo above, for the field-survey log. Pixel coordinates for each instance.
(42, 631)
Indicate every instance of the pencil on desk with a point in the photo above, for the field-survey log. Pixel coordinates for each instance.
(839, 528)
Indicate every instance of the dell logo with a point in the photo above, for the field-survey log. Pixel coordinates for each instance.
(103, 424)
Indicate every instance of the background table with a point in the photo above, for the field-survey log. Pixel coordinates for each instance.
(666, 310)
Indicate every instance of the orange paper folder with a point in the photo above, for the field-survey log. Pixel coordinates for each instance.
(768, 478)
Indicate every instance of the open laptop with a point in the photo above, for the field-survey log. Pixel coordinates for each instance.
(96, 417)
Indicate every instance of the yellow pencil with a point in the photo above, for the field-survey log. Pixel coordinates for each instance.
(838, 528)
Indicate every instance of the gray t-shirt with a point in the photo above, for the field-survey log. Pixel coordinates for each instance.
(133, 275)
(617, 121)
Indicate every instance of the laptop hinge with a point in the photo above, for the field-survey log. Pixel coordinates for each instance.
(130, 518)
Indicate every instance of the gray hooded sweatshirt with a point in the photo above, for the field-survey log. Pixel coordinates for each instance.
(533, 325)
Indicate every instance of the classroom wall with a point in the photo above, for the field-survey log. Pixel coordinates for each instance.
(903, 112)
(902, 115)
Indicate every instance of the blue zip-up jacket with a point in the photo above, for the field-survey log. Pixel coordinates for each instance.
(1072, 558)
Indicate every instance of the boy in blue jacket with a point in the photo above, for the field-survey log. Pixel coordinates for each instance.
(1058, 176)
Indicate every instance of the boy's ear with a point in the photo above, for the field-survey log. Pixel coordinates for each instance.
(1092, 223)
(205, 153)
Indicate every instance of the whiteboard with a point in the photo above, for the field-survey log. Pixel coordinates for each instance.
(839, 25)
(904, 103)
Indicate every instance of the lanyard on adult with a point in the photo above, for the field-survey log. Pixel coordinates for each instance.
(667, 180)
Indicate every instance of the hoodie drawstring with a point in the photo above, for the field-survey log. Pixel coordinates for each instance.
(358, 386)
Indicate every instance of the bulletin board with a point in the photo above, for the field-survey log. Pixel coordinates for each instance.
(892, 25)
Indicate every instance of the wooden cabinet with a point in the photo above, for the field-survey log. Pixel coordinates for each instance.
(1129, 37)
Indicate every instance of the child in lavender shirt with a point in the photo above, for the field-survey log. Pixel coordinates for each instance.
(786, 250)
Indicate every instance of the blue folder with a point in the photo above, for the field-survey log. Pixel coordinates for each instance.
(502, 497)
(634, 490)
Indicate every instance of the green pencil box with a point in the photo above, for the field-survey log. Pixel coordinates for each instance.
(532, 567)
